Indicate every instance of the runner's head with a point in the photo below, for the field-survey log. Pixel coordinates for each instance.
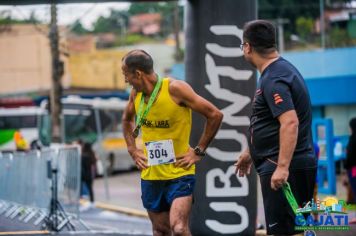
(136, 65)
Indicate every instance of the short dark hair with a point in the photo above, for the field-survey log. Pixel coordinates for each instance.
(138, 60)
(261, 35)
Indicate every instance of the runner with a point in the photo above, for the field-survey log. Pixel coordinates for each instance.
(162, 109)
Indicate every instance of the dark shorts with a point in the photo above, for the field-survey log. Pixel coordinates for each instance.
(158, 195)
(280, 218)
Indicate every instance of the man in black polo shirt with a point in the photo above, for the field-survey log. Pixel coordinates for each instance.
(280, 142)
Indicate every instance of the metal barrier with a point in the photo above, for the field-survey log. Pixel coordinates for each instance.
(23, 178)
(69, 178)
(27, 188)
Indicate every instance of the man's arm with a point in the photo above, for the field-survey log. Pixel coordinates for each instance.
(288, 135)
(183, 94)
(128, 125)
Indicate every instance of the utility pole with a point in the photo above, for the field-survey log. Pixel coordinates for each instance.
(322, 24)
(280, 22)
(57, 71)
(176, 28)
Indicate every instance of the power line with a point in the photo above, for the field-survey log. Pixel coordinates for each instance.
(83, 15)
(35, 24)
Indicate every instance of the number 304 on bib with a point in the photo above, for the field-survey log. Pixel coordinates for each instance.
(160, 152)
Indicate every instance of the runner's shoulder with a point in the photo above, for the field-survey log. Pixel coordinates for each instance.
(176, 86)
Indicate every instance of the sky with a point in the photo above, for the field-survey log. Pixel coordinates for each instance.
(67, 13)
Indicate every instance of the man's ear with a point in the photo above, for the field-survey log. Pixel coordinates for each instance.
(138, 73)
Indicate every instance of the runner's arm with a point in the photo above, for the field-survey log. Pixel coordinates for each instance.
(183, 94)
(128, 125)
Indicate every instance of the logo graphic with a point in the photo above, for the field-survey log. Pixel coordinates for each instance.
(309, 233)
(271, 225)
(329, 214)
(277, 98)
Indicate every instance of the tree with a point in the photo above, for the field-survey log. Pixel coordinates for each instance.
(78, 28)
(32, 19)
(116, 22)
(304, 26)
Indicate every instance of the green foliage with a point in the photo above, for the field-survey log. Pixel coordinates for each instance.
(78, 28)
(304, 26)
(7, 20)
(32, 19)
(132, 39)
(116, 22)
(338, 38)
(151, 7)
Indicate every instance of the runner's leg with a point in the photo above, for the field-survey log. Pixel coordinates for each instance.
(160, 223)
(179, 215)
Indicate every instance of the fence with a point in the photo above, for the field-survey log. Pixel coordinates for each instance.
(26, 184)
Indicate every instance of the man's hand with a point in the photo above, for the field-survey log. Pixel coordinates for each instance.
(188, 159)
(243, 164)
(279, 177)
(140, 159)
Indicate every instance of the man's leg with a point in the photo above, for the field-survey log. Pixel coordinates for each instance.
(160, 223)
(179, 215)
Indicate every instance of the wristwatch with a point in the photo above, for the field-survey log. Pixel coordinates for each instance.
(199, 152)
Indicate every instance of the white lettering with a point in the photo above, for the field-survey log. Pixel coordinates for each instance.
(228, 228)
(227, 190)
(228, 156)
(225, 51)
(238, 101)
(231, 117)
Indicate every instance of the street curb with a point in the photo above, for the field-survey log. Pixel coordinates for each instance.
(115, 208)
(25, 232)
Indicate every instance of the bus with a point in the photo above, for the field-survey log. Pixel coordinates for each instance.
(97, 121)
(25, 120)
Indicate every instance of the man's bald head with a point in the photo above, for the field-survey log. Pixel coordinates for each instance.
(138, 60)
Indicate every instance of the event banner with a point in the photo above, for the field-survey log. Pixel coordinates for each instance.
(215, 66)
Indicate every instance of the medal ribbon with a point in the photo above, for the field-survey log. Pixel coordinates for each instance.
(290, 197)
(140, 117)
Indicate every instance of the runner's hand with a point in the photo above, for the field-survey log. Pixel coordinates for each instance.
(187, 160)
(279, 177)
(243, 164)
(140, 159)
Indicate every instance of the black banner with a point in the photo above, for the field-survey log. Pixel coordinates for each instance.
(223, 203)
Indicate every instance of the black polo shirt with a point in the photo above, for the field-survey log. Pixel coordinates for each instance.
(281, 88)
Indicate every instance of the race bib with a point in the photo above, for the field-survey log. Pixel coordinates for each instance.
(160, 152)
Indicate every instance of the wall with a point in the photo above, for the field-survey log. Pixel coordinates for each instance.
(341, 116)
(24, 62)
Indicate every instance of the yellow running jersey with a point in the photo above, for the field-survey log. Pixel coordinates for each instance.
(166, 120)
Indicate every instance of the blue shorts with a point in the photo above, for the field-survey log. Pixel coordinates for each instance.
(158, 195)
